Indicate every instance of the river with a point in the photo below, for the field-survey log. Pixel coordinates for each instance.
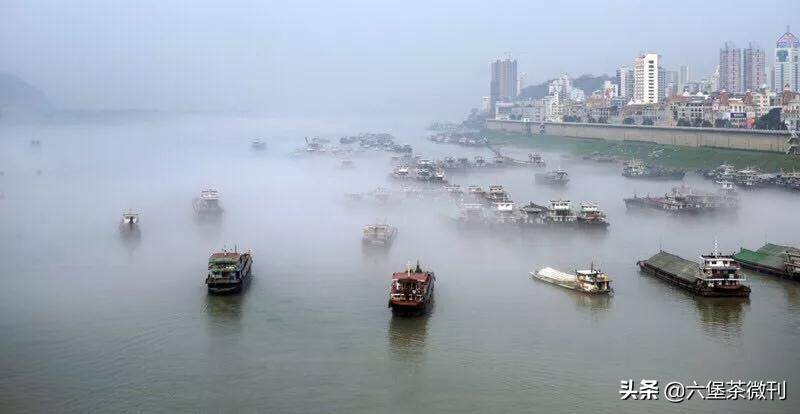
(93, 324)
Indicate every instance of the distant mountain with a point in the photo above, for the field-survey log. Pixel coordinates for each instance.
(20, 97)
(587, 83)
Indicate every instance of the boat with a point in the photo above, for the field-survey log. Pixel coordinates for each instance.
(258, 144)
(717, 275)
(401, 172)
(497, 194)
(129, 226)
(590, 215)
(535, 160)
(727, 188)
(228, 272)
(411, 291)
(207, 205)
(772, 259)
(347, 164)
(638, 169)
(471, 214)
(378, 235)
(560, 211)
(684, 200)
(592, 281)
(555, 177)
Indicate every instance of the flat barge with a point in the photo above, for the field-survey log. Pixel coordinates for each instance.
(591, 281)
(228, 272)
(772, 259)
(717, 276)
(411, 292)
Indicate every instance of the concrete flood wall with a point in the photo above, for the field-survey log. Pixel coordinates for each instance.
(771, 141)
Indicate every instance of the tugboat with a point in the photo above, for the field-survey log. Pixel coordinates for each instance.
(207, 205)
(258, 144)
(590, 215)
(129, 226)
(591, 281)
(718, 275)
(228, 271)
(556, 177)
(378, 235)
(411, 291)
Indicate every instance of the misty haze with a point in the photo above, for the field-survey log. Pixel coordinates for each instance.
(303, 207)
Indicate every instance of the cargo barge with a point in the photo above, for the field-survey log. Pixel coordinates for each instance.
(718, 275)
(772, 259)
(411, 291)
(228, 272)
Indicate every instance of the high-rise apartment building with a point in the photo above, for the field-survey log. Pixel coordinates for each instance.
(503, 85)
(683, 77)
(730, 68)
(787, 63)
(645, 72)
(625, 82)
(753, 69)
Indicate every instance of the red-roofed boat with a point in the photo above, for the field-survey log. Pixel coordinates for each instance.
(411, 292)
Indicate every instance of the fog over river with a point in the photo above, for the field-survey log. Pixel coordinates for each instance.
(90, 323)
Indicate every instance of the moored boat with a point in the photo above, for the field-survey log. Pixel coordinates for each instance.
(717, 275)
(588, 281)
(772, 259)
(411, 291)
(638, 169)
(590, 215)
(228, 272)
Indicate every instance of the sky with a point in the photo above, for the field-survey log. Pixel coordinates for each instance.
(427, 59)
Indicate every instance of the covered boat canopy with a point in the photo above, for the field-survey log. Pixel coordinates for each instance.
(770, 255)
(678, 266)
(554, 274)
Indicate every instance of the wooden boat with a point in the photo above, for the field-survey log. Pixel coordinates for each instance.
(228, 272)
(411, 291)
(588, 281)
(718, 275)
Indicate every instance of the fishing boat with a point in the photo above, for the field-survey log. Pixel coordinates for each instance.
(716, 275)
(258, 144)
(378, 235)
(592, 281)
(129, 226)
(772, 259)
(207, 205)
(228, 272)
(555, 177)
(411, 291)
(590, 215)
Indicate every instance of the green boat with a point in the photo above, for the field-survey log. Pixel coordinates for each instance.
(718, 275)
(772, 259)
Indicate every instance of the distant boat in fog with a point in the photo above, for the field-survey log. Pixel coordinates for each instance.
(207, 205)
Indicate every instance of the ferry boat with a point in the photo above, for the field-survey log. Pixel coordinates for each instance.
(716, 275)
(378, 235)
(207, 205)
(228, 271)
(590, 215)
(591, 281)
(556, 177)
(129, 226)
(772, 259)
(638, 169)
(411, 291)
(258, 144)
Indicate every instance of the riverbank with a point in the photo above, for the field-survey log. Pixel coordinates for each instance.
(666, 155)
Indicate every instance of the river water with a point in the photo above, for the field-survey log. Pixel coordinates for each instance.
(90, 323)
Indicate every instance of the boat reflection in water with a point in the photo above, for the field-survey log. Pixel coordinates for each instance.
(224, 313)
(407, 337)
(721, 318)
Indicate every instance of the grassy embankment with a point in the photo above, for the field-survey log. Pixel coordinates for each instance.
(691, 158)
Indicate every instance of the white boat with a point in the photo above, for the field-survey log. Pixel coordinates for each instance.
(560, 211)
(207, 204)
(378, 235)
(587, 281)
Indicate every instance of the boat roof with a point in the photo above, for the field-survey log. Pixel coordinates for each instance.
(769, 255)
(222, 257)
(419, 277)
(685, 269)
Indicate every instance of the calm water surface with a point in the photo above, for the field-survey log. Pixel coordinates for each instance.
(93, 324)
